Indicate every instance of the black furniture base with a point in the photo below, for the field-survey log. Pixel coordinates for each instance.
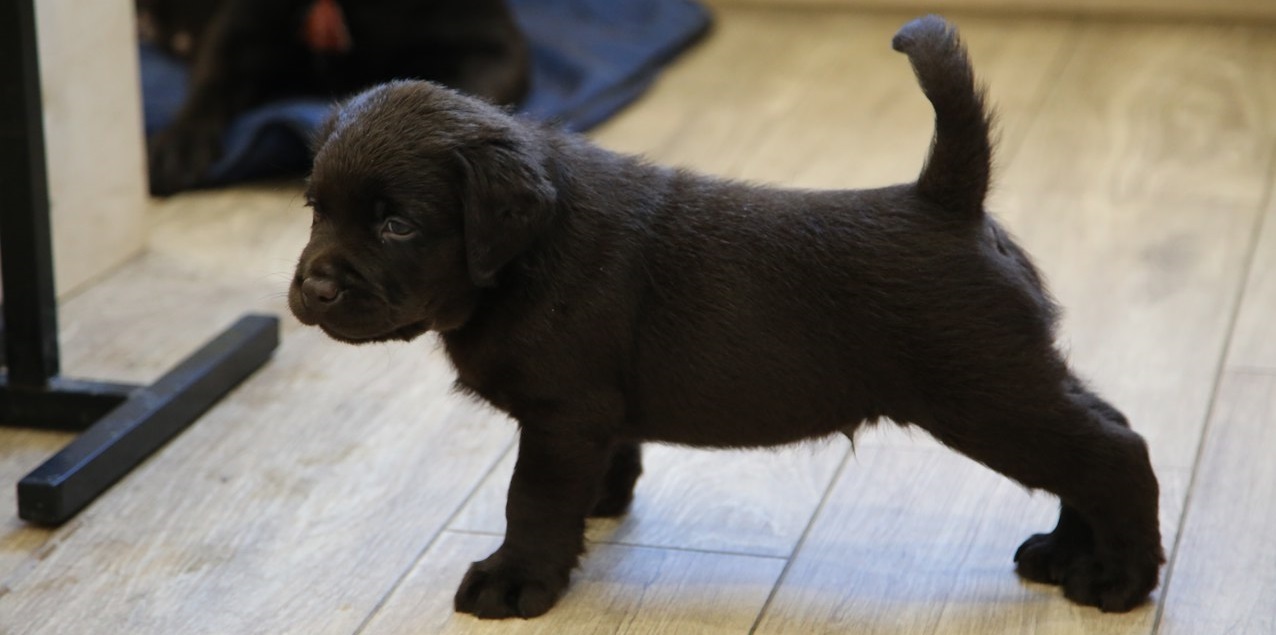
(126, 424)
(122, 424)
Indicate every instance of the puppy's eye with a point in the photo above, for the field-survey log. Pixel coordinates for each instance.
(397, 228)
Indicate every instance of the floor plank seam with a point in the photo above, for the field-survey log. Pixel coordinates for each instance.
(412, 565)
(947, 602)
(639, 545)
(1265, 200)
(797, 547)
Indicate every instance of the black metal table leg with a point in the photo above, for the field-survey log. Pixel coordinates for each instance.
(123, 424)
(26, 257)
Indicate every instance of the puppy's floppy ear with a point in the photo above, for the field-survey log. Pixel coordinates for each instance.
(508, 199)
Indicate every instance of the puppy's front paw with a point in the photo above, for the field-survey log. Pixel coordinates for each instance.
(498, 588)
(1113, 583)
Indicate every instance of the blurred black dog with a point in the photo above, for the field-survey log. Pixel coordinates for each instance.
(604, 302)
(244, 53)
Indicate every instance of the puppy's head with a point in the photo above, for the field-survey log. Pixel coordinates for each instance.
(421, 197)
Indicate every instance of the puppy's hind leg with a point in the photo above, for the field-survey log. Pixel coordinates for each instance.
(1046, 557)
(618, 483)
(1055, 435)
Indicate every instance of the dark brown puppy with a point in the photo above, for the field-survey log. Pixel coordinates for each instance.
(604, 302)
(244, 53)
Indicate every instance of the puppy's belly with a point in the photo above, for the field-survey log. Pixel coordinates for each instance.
(758, 378)
(737, 434)
(745, 415)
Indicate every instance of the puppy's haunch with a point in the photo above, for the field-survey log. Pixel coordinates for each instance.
(604, 302)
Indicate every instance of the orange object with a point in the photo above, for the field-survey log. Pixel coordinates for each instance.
(325, 29)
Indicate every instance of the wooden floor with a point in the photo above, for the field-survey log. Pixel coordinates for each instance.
(344, 490)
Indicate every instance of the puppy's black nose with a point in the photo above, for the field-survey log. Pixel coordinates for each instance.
(320, 292)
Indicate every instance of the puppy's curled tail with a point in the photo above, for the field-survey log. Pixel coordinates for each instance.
(957, 171)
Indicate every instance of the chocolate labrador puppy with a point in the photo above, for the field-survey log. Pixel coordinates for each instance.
(244, 53)
(604, 302)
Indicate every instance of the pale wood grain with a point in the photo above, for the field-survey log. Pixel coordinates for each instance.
(617, 590)
(1137, 9)
(920, 541)
(212, 257)
(823, 101)
(253, 233)
(756, 502)
(292, 507)
(1137, 191)
(1224, 574)
(1253, 343)
(20, 452)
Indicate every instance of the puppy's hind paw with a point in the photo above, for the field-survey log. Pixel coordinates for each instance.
(1113, 584)
(1046, 558)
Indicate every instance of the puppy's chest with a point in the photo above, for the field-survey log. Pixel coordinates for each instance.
(501, 378)
(497, 386)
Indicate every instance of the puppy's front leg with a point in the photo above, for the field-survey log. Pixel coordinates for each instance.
(555, 484)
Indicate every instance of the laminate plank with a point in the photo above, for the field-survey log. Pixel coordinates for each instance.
(1138, 190)
(621, 590)
(920, 541)
(292, 507)
(20, 452)
(821, 100)
(1253, 342)
(212, 256)
(1223, 578)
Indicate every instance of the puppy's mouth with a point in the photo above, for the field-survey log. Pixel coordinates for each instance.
(360, 319)
(404, 333)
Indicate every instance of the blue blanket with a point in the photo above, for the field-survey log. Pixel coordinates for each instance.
(589, 59)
